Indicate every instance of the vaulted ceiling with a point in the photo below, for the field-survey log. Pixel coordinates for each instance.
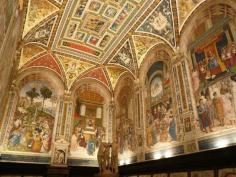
(99, 39)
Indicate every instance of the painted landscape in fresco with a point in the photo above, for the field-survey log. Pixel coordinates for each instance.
(32, 126)
(214, 83)
(160, 119)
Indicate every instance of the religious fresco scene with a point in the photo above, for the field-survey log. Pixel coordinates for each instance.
(213, 78)
(32, 126)
(153, 76)
(160, 120)
(125, 127)
(88, 126)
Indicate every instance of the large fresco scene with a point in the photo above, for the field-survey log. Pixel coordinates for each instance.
(126, 138)
(214, 68)
(88, 128)
(32, 127)
(156, 77)
(160, 118)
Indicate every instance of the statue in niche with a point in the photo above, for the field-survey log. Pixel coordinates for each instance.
(108, 159)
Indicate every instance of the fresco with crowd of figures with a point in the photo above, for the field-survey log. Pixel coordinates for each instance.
(88, 128)
(214, 82)
(160, 120)
(125, 127)
(169, 107)
(125, 131)
(32, 126)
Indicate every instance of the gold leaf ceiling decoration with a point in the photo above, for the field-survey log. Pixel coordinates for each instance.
(96, 32)
(114, 74)
(36, 12)
(124, 57)
(90, 27)
(142, 45)
(73, 68)
(185, 8)
(28, 52)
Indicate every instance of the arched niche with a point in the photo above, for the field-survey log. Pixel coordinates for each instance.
(90, 125)
(31, 113)
(208, 39)
(125, 114)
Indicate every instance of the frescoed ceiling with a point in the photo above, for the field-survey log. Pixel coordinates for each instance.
(91, 26)
(100, 39)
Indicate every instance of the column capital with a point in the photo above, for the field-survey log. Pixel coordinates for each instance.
(13, 86)
(137, 85)
(67, 95)
(178, 56)
(112, 102)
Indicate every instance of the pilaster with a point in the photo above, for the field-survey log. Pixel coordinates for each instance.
(139, 119)
(111, 121)
(9, 114)
(183, 98)
(63, 130)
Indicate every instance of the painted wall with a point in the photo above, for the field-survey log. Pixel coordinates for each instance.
(160, 121)
(10, 26)
(32, 127)
(202, 97)
(187, 105)
(6, 13)
(88, 125)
